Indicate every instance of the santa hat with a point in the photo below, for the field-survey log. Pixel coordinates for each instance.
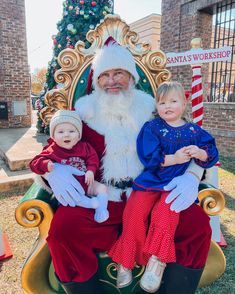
(111, 56)
(65, 116)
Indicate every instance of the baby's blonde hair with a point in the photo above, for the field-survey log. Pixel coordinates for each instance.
(166, 87)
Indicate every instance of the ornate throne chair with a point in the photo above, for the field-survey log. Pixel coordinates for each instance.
(38, 205)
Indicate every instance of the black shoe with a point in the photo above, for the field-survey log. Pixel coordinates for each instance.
(89, 287)
(179, 279)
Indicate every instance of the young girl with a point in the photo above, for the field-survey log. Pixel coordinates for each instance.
(165, 147)
(65, 147)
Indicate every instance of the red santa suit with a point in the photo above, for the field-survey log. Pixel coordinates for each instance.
(82, 156)
(74, 237)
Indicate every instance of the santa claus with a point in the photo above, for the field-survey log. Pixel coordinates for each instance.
(112, 117)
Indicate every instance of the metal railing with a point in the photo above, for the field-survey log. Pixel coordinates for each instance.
(223, 73)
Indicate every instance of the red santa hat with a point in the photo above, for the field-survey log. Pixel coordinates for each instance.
(111, 56)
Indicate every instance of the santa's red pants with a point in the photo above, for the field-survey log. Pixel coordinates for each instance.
(75, 238)
(148, 229)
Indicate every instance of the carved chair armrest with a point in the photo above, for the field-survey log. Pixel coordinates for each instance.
(36, 209)
(211, 199)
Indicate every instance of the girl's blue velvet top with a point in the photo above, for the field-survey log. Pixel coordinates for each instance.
(157, 139)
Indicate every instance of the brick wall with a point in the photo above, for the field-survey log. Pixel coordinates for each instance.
(181, 22)
(14, 69)
(219, 120)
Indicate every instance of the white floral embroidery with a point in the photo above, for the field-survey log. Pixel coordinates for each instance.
(192, 129)
(164, 132)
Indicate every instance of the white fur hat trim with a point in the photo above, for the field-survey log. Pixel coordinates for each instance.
(113, 56)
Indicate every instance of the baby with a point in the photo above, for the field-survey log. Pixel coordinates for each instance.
(64, 147)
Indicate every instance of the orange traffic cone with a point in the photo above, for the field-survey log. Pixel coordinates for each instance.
(5, 250)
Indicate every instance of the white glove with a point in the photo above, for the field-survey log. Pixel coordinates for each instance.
(66, 188)
(184, 191)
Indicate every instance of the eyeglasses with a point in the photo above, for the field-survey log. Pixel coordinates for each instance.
(116, 76)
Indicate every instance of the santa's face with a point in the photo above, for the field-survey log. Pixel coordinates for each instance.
(114, 81)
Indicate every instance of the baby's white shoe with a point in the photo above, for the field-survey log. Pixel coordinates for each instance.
(152, 277)
(124, 276)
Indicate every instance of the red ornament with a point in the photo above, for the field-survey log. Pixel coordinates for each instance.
(93, 3)
(82, 2)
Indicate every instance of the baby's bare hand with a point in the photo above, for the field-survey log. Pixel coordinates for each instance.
(195, 152)
(181, 156)
(89, 177)
(50, 166)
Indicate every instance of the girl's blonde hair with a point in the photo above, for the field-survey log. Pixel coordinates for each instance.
(166, 87)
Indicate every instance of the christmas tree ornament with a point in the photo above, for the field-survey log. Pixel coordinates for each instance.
(54, 40)
(86, 16)
(82, 2)
(69, 27)
(91, 12)
(82, 12)
(77, 9)
(73, 31)
(107, 9)
(70, 7)
(93, 3)
(91, 27)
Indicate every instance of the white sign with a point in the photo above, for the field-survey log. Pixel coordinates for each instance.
(198, 56)
(19, 107)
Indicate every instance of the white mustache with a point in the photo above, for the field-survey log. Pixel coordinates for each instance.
(114, 86)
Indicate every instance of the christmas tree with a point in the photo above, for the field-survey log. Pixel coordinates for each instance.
(79, 16)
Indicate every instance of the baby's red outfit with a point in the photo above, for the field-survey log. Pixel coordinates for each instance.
(82, 156)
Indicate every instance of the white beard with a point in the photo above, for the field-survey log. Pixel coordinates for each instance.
(115, 105)
(119, 117)
(120, 129)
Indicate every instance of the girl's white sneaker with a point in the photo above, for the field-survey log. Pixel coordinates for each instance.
(152, 277)
(124, 276)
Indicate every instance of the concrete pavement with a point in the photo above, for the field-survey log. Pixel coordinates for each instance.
(17, 147)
